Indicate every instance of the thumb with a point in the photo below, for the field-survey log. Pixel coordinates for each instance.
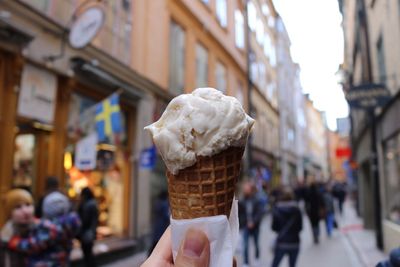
(194, 250)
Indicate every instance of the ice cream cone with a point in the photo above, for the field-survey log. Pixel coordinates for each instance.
(207, 188)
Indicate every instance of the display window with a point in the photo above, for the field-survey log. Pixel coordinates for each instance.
(24, 161)
(392, 178)
(106, 179)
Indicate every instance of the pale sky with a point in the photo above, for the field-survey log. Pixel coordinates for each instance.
(317, 45)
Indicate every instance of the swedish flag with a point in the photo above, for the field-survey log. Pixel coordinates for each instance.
(108, 117)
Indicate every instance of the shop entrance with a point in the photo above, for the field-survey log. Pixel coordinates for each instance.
(30, 157)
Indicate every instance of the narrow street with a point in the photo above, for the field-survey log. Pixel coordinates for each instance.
(352, 246)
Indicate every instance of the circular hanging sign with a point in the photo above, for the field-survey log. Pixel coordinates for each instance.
(86, 27)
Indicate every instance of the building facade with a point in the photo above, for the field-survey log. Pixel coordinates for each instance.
(148, 52)
(291, 109)
(371, 31)
(339, 156)
(263, 84)
(316, 162)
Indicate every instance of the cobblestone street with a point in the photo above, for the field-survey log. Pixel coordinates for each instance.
(352, 246)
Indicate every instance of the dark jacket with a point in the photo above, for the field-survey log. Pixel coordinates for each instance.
(250, 209)
(47, 243)
(314, 204)
(287, 223)
(89, 213)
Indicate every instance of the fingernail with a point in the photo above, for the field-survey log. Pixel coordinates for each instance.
(194, 244)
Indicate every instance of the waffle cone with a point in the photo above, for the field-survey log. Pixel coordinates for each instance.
(207, 188)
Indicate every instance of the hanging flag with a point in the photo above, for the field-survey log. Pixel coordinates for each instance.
(108, 117)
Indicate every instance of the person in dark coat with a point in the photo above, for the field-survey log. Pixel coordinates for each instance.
(339, 192)
(287, 223)
(160, 218)
(314, 209)
(89, 213)
(250, 215)
(50, 187)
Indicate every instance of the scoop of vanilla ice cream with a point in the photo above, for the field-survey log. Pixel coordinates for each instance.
(202, 123)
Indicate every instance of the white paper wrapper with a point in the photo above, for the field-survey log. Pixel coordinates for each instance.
(222, 233)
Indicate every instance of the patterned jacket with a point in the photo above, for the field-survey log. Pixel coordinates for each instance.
(48, 244)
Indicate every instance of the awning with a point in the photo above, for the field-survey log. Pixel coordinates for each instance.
(13, 37)
(93, 74)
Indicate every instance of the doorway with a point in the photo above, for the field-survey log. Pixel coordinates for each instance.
(30, 158)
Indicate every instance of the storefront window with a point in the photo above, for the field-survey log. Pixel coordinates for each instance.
(392, 178)
(24, 161)
(106, 179)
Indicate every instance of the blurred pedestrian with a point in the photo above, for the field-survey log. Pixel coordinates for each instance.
(314, 209)
(329, 211)
(160, 218)
(339, 192)
(57, 209)
(394, 259)
(27, 241)
(50, 186)
(287, 223)
(89, 213)
(250, 215)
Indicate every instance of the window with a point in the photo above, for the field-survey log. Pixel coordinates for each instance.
(177, 59)
(239, 29)
(253, 68)
(201, 66)
(381, 60)
(252, 15)
(106, 180)
(267, 45)
(220, 77)
(260, 31)
(271, 21)
(239, 93)
(222, 12)
(265, 9)
(263, 75)
(392, 175)
(272, 59)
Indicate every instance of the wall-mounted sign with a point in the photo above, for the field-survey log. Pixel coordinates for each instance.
(368, 96)
(86, 153)
(37, 95)
(148, 158)
(86, 26)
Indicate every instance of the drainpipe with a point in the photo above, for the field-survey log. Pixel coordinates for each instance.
(249, 83)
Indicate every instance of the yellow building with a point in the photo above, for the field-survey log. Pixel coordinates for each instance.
(149, 51)
(317, 147)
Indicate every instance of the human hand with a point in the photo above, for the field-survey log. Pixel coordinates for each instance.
(193, 252)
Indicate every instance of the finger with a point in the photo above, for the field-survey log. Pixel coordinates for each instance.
(163, 250)
(194, 250)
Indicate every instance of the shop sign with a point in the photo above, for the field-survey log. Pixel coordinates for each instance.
(343, 152)
(86, 153)
(148, 158)
(368, 96)
(37, 97)
(86, 26)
